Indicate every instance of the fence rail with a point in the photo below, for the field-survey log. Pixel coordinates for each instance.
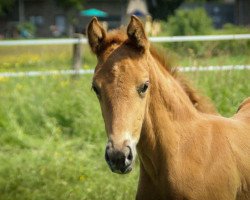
(91, 71)
(152, 39)
(77, 55)
(200, 38)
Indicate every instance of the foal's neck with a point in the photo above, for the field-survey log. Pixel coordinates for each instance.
(169, 112)
(168, 96)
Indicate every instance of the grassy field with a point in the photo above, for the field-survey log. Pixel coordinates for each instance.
(47, 57)
(52, 136)
(52, 142)
(54, 57)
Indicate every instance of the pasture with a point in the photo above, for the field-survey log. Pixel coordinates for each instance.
(52, 136)
(55, 57)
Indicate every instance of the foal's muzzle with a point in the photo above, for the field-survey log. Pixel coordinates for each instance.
(119, 161)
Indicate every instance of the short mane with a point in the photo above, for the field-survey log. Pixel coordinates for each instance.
(200, 102)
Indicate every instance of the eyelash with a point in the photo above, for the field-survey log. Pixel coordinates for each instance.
(143, 88)
(94, 88)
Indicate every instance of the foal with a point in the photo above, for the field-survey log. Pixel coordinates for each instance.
(183, 153)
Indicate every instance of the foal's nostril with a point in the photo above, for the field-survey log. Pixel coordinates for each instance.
(107, 156)
(119, 161)
(130, 155)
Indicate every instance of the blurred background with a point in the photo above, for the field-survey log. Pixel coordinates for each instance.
(52, 137)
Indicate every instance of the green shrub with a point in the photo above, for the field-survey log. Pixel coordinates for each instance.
(234, 47)
(26, 29)
(233, 29)
(197, 22)
(190, 22)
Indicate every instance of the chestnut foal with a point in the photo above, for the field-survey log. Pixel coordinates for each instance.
(184, 152)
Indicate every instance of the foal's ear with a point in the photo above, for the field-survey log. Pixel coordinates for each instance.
(96, 35)
(136, 34)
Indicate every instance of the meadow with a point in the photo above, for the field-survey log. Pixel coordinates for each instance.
(52, 136)
(56, 57)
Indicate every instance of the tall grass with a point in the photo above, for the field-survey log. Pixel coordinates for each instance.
(42, 57)
(56, 57)
(52, 137)
(52, 142)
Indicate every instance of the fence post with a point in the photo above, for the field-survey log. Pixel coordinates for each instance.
(77, 53)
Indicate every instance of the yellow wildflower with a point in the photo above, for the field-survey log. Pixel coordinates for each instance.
(82, 178)
(4, 79)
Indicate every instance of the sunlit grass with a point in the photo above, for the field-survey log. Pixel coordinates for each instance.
(47, 57)
(52, 142)
(55, 57)
(52, 136)
(227, 89)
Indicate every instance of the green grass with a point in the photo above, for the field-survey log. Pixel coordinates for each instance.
(56, 57)
(52, 137)
(52, 142)
(42, 57)
(227, 89)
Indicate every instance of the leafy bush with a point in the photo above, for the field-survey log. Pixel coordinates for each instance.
(26, 29)
(197, 22)
(234, 47)
(190, 22)
(233, 29)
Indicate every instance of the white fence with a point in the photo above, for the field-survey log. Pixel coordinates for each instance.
(200, 38)
(90, 71)
(80, 40)
(152, 39)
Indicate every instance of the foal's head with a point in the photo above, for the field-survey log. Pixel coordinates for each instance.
(121, 83)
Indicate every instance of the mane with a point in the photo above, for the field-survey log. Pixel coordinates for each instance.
(200, 102)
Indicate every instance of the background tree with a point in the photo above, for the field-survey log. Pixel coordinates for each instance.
(161, 9)
(71, 4)
(5, 6)
(71, 8)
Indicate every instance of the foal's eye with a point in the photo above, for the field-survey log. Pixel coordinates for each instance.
(95, 90)
(143, 88)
